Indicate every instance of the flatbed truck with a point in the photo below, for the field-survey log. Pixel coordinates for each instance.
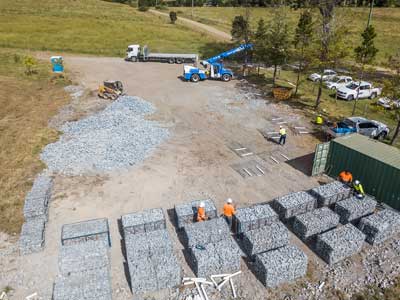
(137, 53)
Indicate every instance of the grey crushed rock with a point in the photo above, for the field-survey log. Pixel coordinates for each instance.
(294, 204)
(82, 232)
(254, 217)
(331, 193)
(352, 209)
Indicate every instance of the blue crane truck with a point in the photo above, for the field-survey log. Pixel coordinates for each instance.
(214, 67)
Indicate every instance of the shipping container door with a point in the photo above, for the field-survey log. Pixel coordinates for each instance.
(320, 158)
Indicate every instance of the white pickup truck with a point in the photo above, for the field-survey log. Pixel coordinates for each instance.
(350, 91)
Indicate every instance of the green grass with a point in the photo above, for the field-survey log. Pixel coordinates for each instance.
(90, 26)
(385, 20)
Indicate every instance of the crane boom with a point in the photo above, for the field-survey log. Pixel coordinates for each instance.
(230, 52)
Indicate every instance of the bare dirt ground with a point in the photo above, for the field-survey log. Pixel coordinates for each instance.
(205, 120)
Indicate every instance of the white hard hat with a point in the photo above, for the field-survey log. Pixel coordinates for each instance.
(357, 182)
(229, 200)
(202, 204)
(280, 126)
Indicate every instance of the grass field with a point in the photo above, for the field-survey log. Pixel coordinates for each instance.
(385, 20)
(90, 26)
(27, 103)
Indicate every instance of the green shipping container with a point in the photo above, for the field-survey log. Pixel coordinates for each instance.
(374, 163)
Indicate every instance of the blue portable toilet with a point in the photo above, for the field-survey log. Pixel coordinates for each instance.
(57, 63)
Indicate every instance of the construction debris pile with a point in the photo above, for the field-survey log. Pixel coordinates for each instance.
(331, 193)
(353, 209)
(149, 252)
(294, 204)
(186, 213)
(36, 209)
(339, 243)
(281, 265)
(84, 263)
(307, 225)
(115, 138)
(254, 217)
(380, 226)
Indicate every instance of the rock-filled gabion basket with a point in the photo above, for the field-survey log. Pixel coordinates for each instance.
(331, 193)
(265, 238)
(32, 238)
(380, 226)
(294, 204)
(202, 233)
(215, 258)
(352, 209)
(279, 266)
(307, 225)
(80, 232)
(151, 261)
(254, 217)
(143, 221)
(186, 213)
(339, 243)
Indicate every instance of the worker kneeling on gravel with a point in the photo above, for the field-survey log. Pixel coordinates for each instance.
(358, 190)
(229, 211)
(201, 213)
(346, 177)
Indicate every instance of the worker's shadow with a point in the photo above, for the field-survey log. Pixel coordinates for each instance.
(181, 78)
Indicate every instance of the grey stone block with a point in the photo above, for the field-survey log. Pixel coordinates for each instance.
(294, 204)
(339, 243)
(380, 226)
(185, 213)
(281, 265)
(143, 221)
(314, 222)
(202, 233)
(254, 217)
(331, 193)
(353, 208)
(265, 238)
(36, 201)
(91, 230)
(32, 235)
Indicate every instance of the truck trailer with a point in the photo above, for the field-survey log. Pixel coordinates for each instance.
(136, 53)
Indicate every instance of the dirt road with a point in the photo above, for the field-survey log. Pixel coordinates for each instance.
(198, 26)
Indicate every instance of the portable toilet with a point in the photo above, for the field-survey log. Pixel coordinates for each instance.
(57, 63)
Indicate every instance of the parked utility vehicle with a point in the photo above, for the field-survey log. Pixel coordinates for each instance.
(138, 53)
(361, 88)
(370, 128)
(388, 103)
(326, 75)
(338, 82)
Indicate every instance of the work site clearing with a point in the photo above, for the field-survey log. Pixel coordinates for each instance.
(164, 145)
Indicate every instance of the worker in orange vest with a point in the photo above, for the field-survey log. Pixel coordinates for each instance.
(201, 212)
(229, 211)
(346, 177)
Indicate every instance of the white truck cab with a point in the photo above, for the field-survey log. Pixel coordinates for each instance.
(362, 89)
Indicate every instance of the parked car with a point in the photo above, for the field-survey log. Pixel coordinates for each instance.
(327, 75)
(338, 81)
(350, 91)
(370, 128)
(389, 103)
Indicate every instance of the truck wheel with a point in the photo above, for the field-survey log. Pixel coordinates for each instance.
(226, 77)
(195, 78)
(133, 59)
(373, 95)
(382, 136)
(350, 98)
(171, 60)
(179, 60)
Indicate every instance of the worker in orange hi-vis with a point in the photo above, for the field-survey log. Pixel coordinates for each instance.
(229, 211)
(201, 212)
(346, 177)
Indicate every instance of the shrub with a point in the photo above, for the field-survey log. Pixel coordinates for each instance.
(173, 17)
(30, 64)
(143, 8)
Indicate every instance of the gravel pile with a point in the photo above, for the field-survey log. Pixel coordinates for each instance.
(339, 243)
(294, 204)
(36, 215)
(281, 265)
(186, 213)
(314, 222)
(353, 208)
(32, 236)
(331, 193)
(81, 232)
(84, 267)
(216, 258)
(151, 261)
(380, 226)
(254, 217)
(203, 233)
(265, 238)
(143, 221)
(115, 138)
